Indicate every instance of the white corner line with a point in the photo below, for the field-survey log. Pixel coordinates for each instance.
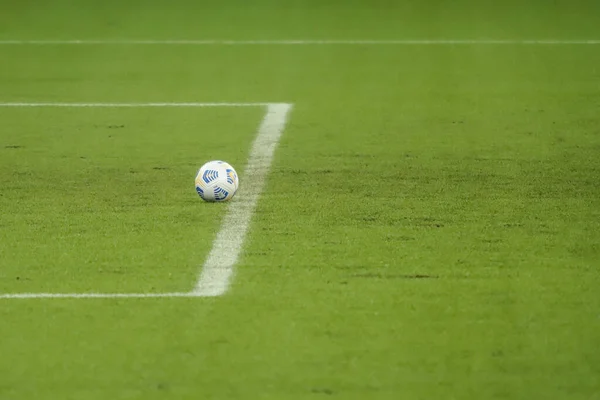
(218, 268)
(214, 42)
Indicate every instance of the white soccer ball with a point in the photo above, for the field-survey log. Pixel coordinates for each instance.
(216, 181)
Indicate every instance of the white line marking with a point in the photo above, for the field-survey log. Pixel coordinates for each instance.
(307, 42)
(115, 105)
(92, 295)
(218, 269)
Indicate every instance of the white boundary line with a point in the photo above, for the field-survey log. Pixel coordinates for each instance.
(308, 42)
(93, 295)
(133, 105)
(218, 269)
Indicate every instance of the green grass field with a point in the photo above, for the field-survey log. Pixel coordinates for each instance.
(430, 227)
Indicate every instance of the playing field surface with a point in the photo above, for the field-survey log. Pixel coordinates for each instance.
(418, 214)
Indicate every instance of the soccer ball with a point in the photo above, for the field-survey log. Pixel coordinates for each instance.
(216, 181)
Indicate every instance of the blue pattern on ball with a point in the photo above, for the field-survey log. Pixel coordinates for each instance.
(210, 175)
(220, 193)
